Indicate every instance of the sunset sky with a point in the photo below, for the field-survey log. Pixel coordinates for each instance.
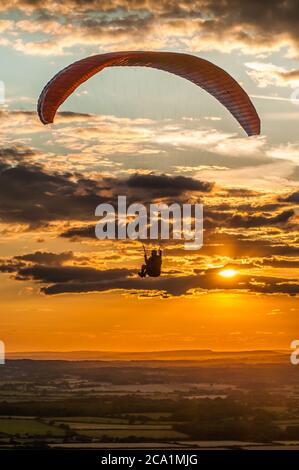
(153, 137)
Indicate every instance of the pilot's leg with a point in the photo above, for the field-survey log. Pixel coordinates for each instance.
(142, 273)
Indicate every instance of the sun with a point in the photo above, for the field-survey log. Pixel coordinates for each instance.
(228, 273)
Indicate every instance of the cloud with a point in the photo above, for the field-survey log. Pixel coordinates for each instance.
(5, 25)
(99, 136)
(241, 245)
(259, 220)
(65, 274)
(245, 216)
(86, 231)
(280, 263)
(75, 280)
(273, 175)
(292, 198)
(241, 192)
(196, 26)
(31, 194)
(267, 74)
(289, 151)
(166, 185)
(40, 257)
(91, 142)
(111, 135)
(57, 278)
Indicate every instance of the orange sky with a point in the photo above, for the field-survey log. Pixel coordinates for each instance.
(153, 137)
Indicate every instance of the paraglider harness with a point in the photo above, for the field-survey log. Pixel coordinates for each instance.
(152, 266)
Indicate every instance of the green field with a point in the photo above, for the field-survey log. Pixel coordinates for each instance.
(138, 433)
(86, 419)
(118, 428)
(96, 428)
(28, 427)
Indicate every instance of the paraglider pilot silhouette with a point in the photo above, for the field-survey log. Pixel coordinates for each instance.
(152, 266)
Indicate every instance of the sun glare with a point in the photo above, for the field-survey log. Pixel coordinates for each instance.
(228, 273)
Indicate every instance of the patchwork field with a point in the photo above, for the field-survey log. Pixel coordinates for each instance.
(170, 405)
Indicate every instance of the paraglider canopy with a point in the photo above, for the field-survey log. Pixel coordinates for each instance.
(201, 72)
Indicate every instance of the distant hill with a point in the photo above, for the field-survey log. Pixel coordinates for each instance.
(201, 355)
